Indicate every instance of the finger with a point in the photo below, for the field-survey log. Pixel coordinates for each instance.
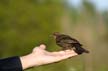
(64, 53)
(68, 50)
(68, 53)
(42, 46)
(67, 56)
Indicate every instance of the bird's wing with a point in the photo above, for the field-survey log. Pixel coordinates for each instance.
(69, 41)
(66, 39)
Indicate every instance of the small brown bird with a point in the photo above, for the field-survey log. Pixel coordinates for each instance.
(66, 42)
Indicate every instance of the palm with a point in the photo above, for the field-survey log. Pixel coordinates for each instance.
(46, 57)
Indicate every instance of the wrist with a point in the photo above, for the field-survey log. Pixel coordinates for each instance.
(26, 61)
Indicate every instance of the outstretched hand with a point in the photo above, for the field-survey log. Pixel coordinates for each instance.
(40, 56)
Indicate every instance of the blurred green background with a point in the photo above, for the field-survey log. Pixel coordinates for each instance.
(25, 24)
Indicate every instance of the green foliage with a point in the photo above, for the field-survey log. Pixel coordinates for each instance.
(25, 24)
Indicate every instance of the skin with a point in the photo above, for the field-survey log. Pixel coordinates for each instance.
(40, 56)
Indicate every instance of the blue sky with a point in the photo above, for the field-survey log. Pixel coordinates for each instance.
(100, 4)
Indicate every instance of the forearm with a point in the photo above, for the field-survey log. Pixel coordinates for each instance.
(29, 60)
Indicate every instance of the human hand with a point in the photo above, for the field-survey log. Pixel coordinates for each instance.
(40, 56)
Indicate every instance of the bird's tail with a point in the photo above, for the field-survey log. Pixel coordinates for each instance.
(79, 49)
(86, 51)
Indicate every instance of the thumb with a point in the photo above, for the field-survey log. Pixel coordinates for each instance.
(42, 46)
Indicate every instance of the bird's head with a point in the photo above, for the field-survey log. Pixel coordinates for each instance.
(55, 34)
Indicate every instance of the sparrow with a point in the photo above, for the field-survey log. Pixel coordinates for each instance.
(67, 42)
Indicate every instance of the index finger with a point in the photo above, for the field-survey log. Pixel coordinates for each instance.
(65, 52)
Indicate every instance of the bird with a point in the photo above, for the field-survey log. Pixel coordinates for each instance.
(67, 42)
